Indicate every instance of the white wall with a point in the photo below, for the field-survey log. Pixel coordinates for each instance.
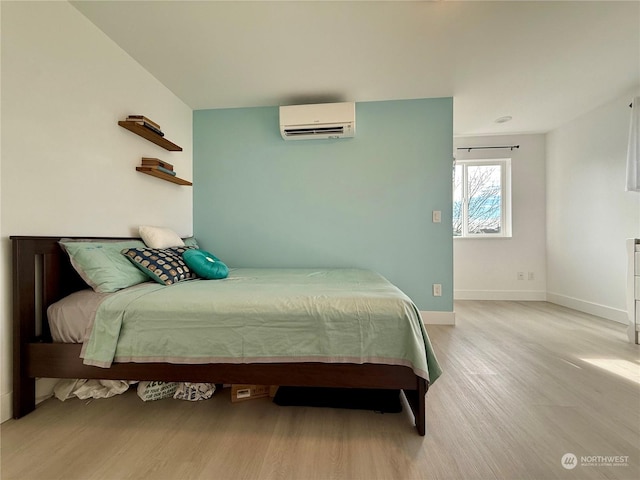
(67, 167)
(486, 269)
(589, 214)
(5, 332)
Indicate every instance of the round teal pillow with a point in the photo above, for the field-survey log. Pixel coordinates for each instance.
(205, 264)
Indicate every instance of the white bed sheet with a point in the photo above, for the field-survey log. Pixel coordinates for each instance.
(71, 318)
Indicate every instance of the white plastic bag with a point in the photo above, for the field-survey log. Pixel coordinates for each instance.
(194, 391)
(101, 388)
(149, 391)
(84, 389)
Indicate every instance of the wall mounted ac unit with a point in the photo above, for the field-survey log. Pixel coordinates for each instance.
(322, 120)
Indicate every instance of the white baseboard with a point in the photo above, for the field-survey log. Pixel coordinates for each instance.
(511, 295)
(438, 318)
(610, 313)
(6, 412)
(44, 390)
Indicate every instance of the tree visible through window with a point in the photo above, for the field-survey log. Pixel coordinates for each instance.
(481, 198)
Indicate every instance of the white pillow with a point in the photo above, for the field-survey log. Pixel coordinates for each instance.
(160, 237)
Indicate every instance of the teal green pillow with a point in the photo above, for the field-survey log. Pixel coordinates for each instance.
(191, 242)
(205, 264)
(101, 265)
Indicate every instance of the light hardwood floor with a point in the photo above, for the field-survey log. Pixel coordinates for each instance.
(525, 383)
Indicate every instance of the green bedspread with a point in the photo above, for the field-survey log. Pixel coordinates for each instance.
(264, 316)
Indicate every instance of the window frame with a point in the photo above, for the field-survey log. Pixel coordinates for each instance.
(505, 197)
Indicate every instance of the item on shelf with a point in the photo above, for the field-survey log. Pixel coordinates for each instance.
(159, 165)
(153, 171)
(149, 134)
(152, 128)
(142, 118)
(146, 122)
(165, 170)
(156, 162)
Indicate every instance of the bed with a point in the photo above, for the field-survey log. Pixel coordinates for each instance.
(43, 275)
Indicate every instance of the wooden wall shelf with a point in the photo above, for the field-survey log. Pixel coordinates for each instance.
(150, 135)
(164, 176)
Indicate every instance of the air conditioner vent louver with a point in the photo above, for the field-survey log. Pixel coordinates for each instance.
(324, 120)
(314, 131)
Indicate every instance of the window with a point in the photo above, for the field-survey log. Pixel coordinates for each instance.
(482, 198)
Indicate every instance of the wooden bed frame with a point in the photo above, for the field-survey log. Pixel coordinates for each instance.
(42, 274)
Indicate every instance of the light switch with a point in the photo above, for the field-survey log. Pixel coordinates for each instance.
(436, 216)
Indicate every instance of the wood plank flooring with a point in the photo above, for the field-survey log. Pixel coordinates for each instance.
(524, 384)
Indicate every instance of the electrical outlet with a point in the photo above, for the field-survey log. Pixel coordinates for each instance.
(437, 290)
(520, 275)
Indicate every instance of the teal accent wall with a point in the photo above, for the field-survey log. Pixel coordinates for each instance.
(362, 202)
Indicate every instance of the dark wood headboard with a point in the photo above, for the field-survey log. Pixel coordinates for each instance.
(42, 275)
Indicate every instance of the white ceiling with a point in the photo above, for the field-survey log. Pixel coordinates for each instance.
(543, 63)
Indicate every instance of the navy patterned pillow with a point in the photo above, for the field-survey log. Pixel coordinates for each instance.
(164, 265)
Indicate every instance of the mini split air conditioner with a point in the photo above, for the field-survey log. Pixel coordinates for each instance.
(322, 120)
